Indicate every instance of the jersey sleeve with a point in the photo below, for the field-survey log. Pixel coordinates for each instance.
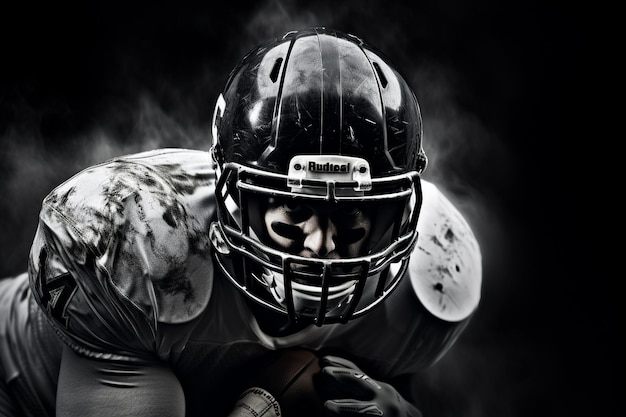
(121, 248)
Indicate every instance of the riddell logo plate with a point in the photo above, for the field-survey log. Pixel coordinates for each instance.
(330, 168)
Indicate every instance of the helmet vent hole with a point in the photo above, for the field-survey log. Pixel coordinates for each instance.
(381, 76)
(275, 69)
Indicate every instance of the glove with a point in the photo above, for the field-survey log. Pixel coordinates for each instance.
(256, 402)
(356, 394)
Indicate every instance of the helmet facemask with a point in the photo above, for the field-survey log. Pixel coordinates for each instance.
(374, 232)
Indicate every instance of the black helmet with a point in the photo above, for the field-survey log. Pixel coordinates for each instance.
(316, 115)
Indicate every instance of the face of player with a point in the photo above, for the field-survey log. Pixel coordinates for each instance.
(318, 230)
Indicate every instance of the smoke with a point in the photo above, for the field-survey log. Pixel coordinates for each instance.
(468, 160)
(33, 164)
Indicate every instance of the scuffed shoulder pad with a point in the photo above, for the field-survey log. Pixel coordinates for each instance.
(445, 267)
(122, 246)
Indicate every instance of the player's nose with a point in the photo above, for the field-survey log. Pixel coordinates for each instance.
(320, 234)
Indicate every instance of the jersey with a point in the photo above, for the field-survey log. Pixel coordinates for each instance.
(121, 268)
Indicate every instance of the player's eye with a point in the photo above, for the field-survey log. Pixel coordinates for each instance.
(296, 211)
(348, 210)
(291, 205)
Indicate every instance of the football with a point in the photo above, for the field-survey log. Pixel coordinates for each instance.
(288, 375)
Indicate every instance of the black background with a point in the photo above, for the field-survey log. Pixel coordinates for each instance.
(500, 85)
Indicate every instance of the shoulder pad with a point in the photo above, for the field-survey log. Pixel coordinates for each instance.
(445, 266)
(144, 218)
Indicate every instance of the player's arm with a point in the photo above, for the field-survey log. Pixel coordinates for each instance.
(99, 388)
(104, 268)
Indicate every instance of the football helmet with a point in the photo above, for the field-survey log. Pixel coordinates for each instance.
(317, 118)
